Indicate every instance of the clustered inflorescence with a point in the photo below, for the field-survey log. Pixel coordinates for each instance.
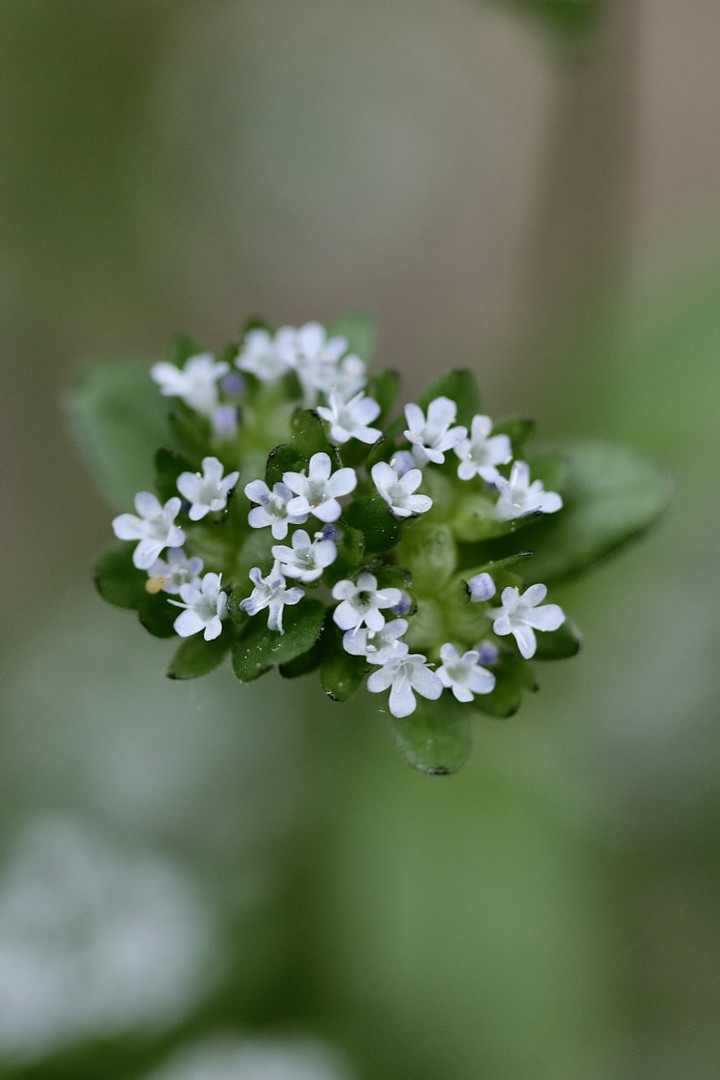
(296, 523)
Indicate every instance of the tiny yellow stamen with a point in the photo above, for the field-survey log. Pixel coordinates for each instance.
(154, 584)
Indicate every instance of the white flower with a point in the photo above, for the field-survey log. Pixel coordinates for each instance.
(405, 674)
(205, 605)
(208, 492)
(273, 508)
(397, 491)
(463, 674)
(178, 570)
(520, 615)
(361, 603)
(481, 587)
(350, 419)
(306, 559)
(431, 437)
(261, 356)
(402, 462)
(317, 361)
(377, 646)
(317, 491)
(518, 496)
(195, 383)
(479, 455)
(153, 527)
(270, 592)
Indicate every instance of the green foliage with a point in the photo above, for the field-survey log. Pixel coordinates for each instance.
(117, 580)
(168, 466)
(612, 496)
(120, 420)
(436, 738)
(359, 331)
(568, 19)
(558, 644)
(461, 387)
(196, 657)
(341, 674)
(372, 517)
(260, 648)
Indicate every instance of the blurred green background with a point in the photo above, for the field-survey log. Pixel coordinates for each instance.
(214, 882)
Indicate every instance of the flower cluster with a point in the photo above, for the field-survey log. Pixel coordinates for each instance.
(298, 522)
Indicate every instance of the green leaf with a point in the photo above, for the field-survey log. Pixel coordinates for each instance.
(461, 387)
(181, 349)
(197, 657)
(359, 331)
(611, 496)
(283, 458)
(384, 388)
(308, 434)
(260, 648)
(382, 450)
(168, 466)
(558, 644)
(372, 516)
(190, 431)
(157, 615)
(350, 555)
(305, 663)
(117, 580)
(512, 675)
(341, 674)
(428, 549)
(437, 737)
(518, 428)
(119, 417)
(569, 19)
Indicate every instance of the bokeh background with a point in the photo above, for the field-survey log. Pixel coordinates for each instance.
(213, 882)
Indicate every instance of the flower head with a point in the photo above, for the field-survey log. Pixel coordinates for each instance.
(270, 592)
(518, 496)
(479, 454)
(361, 602)
(306, 559)
(205, 606)
(207, 492)
(152, 526)
(168, 575)
(397, 491)
(350, 419)
(317, 491)
(272, 509)
(432, 436)
(403, 674)
(195, 383)
(521, 614)
(463, 674)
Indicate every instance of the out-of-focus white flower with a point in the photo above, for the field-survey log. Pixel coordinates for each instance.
(480, 454)
(261, 356)
(272, 509)
(350, 419)
(320, 361)
(306, 559)
(205, 607)
(520, 615)
(271, 592)
(233, 1057)
(208, 492)
(463, 674)
(153, 526)
(397, 491)
(195, 383)
(167, 575)
(518, 496)
(431, 437)
(361, 603)
(317, 491)
(403, 675)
